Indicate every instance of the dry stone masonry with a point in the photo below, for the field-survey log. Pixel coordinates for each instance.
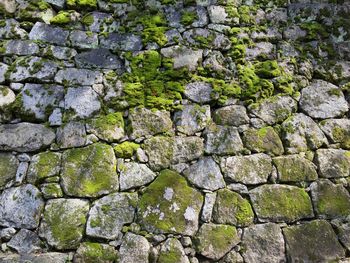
(167, 131)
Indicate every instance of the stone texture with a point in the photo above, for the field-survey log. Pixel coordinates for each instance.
(7, 96)
(312, 241)
(338, 131)
(8, 168)
(89, 252)
(172, 251)
(82, 39)
(174, 209)
(42, 166)
(278, 203)
(124, 42)
(183, 57)
(134, 248)
(333, 163)
(109, 214)
(21, 207)
(21, 47)
(232, 115)
(75, 76)
(133, 175)
(263, 243)
(72, 134)
(47, 33)
(51, 257)
(199, 92)
(98, 58)
(252, 169)
(207, 209)
(25, 242)
(89, 171)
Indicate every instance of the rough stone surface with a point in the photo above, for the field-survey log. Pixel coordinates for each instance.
(200, 92)
(338, 131)
(71, 135)
(134, 248)
(42, 166)
(133, 175)
(98, 58)
(47, 33)
(233, 115)
(89, 252)
(333, 163)
(172, 250)
(74, 76)
(25, 242)
(8, 168)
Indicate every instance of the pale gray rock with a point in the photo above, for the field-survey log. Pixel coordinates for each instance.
(133, 175)
(232, 115)
(83, 101)
(71, 135)
(21, 47)
(7, 96)
(183, 56)
(333, 163)
(205, 174)
(216, 40)
(261, 49)
(3, 70)
(338, 131)
(222, 140)
(134, 248)
(8, 168)
(322, 100)
(25, 241)
(74, 76)
(52, 257)
(8, 6)
(7, 233)
(109, 214)
(251, 169)
(99, 58)
(21, 172)
(200, 92)
(344, 233)
(207, 209)
(83, 40)
(12, 30)
(263, 243)
(172, 250)
(55, 118)
(192, 118)
(232, 256)
(61, 53)
(121, 42)
(57, 3)
(294, 32)
(21, 207)
(48, 33)
(25, 137)
(218, 15)
(42, 166)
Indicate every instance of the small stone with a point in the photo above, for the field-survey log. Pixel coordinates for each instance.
(110, 213)
(51, 190)
(42, 166)
(121, 42)
(82, 39)
(232, 256)
(99, 58)
(61, 53)
(333, 163)
(312, 241)
(72, 134)
(21, 172)
(232, 115)
(218, 15)
(21, 47)
(343, 231)
(338, 131)
(25, 242)
(141, 156)
(63, 222)
(261, 50)
(294, 168)
(52, 257)
(322, 100)
(205, 174)
(134, 248)
(21, 207)
(75, 76)
(281, 203)
(330, 200)
(231, 208)
(252, 169)
(47, 33)
(133, 175)
(263, 243)
(7, 233)
(89, 252)
(89, 171)
(183, 57)
(55, 119)
(7, 96)
(214, 241)
(208, 206)
(8, 168)
(200, 92)
(172, 251)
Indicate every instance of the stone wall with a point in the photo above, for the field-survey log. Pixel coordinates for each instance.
(174, 131)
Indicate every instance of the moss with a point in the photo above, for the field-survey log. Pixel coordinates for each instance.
(63, 17)
(126, 149)
(188, 17)
(108, 127)
(154, 27)
(267, 69)
(81, 4)
(314, 30)
(88, 20)
(47, 165)
(97, 253)
(341, 136)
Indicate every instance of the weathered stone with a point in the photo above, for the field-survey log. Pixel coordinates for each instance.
(33, 68)
(70, 135)
(47, 33)
(333, 163)
(200, 92)
(264, 140)
(323, 100)
(208, 206)
(300, 133)
(263, 243)
(89, 171)
(89, 252)
(75, 76)
(164, 151)
(231, 208)
(133, 175)
(25, 241)
(232, 256)
(12, 30)
(61, 53)
(145, 122)
(261, 50)
(21, 207)
(109, 127)
(121, 42)
(42, 166)
(82, 39)
(174, 209)
(214, 241)
(294, 168)
(313, 241)
(205, 174)
(343, 231)
(8, 6)
(52, 257)
(183, 56)
(21, 47)
(338, 131)
(192, 118)
(172, 251)
(63, 222)
(8, 168)
(218, 15)
(83, 101)
(281, 203)
(134, 248)
(99, 58)
(7, 96)
(51, 190)
(216, 40)
(251, 169)
(275, 109)
(232, 115)
(109, 214)
(330, 200)
(222, 140)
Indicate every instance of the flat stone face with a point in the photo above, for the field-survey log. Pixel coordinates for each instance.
(25, 137)
(134, 248)
(252, 169)
(74, 76)
(200, 92)
(205, 174)
(25, 242)
(81, 39)
(172, 250)
(89, 252)
(333, 163)
(21, 207)
(183, 57)
(64, 222)
(47, 33)
(72, 134)
(313, 241)
(233, 115)
(278, 203)
(42, 166)
(338, 131)
(21, 47)
(133, 175)
(323, 100)
(330, 200)
(263, 243)
(98, 58)
(52, 257)
(124, 42)
(7, 96)
(109, 214)
(214, 241)
(8, 168)
(173, 209)
(89, 171)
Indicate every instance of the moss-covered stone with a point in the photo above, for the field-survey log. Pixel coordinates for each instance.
(89, 171)
(172, 251)
(281, 203)
(90, 252)
(214, 241)
(78, 4)
(126, 149)
(8, 168)
(231, 208)
(169, 205)
(51, 190)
